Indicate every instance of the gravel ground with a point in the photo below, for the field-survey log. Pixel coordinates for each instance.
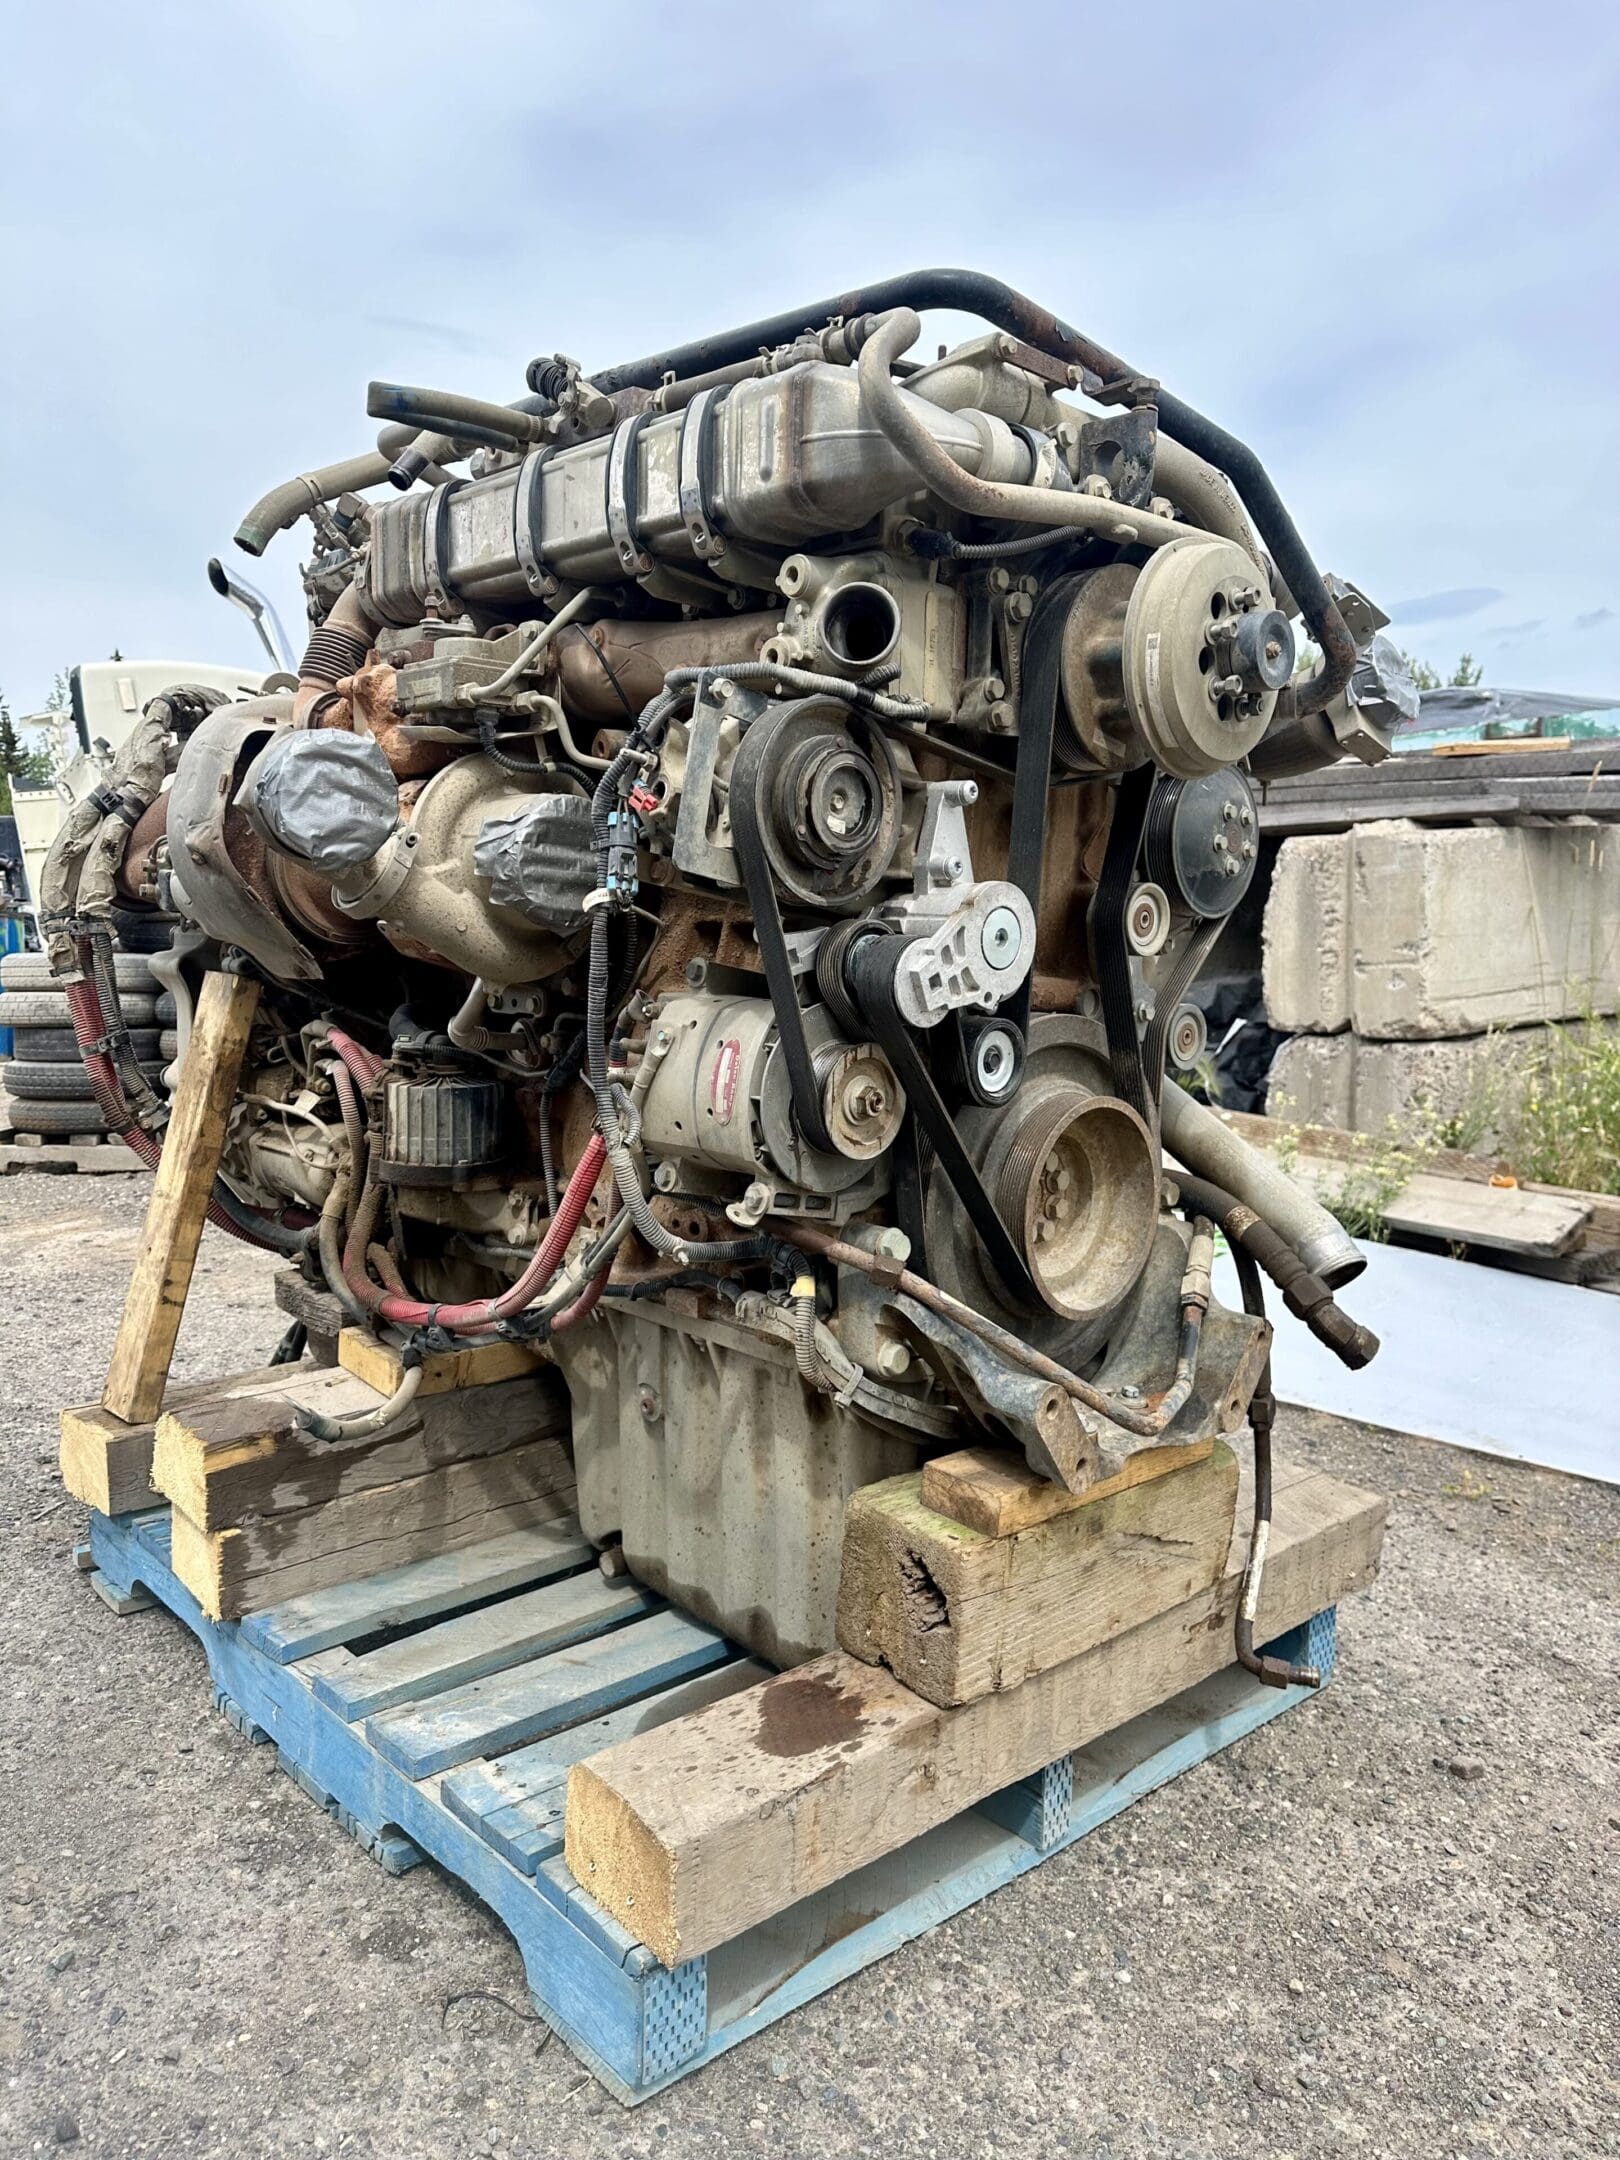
(1383, 1925)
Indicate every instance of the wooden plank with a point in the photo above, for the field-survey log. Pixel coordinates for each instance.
(267, 1560)
(693, 1833)
(474, 1644)
(998, 1493)
(1506, 746)
(349, 1611)
(956, 1614)
(470, 1365)
(107, 1463)
(502, 1712)
(1332, 1140)
(192, 1145)
(228, 1461)
(516, 1802)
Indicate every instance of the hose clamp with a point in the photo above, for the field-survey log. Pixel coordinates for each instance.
(527, 524)
(622, 493)
(697, 433)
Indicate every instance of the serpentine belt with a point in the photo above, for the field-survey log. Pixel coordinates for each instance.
(1032, 776)
(1110, 950)
(870, 968)
(748, 839)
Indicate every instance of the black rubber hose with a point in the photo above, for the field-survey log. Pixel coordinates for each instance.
(1306, 1296)
(972, 292)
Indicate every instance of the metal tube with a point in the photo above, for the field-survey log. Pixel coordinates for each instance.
(1197, 1137)
(882, 400)
(971, 292)
(286, 504)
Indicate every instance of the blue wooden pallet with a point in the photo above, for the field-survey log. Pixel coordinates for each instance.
(434, 1711)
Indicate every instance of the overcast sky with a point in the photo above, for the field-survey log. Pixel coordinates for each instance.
(1380, 242)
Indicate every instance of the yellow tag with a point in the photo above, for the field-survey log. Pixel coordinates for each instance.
(804, 1286)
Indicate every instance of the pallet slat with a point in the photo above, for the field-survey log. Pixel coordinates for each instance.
(473, 1645)
(487, 1716)
(347, 1612)
(516, 1802)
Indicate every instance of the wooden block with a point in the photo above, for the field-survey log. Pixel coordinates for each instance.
(265, 1561)
(107, 1463)
(156, 1297)
(998, 1493)
(225, 1462)
(474, 1365)
(956, 1614)
(696, 1832)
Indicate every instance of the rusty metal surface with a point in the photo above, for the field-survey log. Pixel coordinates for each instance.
(725, 1476)
(638, 655)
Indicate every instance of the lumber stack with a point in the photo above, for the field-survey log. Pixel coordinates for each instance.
(709, 1825)
(265, 1511)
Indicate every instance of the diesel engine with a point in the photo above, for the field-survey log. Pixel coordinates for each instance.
(727, 881)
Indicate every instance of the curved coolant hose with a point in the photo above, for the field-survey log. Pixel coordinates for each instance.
(1306, 1296)
(883, 399)
(1210, 1149)
(478, 1314)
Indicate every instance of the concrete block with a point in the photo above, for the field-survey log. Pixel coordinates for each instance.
(1406, 932)
(1464, 1089)
(1305, 936)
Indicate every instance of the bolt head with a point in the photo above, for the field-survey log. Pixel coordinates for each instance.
(1002, 937)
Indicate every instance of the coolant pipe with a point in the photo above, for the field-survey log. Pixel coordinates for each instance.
(286, 504)
(972, 292)
(885, 403)
(1306, 1296)
(447, 412)
(1210, 1149)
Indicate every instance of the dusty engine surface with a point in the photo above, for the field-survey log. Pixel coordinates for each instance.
(728, 877)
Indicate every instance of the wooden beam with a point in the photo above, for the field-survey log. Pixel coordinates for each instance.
(469, 1365)
(998, 1493)
(192, 1146)
(956, 1614)
(107, 1463)
(224, 1460)
(691, 1834)
(267, 1560)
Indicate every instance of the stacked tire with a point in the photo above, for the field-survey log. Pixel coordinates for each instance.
(47, 1090)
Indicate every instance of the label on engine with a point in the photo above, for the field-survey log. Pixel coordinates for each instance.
(723, 1080)
(1150, 665)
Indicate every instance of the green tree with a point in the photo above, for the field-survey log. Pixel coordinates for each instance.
(17, 762)
(1463, 676)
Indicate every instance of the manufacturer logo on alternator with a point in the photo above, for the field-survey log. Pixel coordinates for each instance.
(723, 1080)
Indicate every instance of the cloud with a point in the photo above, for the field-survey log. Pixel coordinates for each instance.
(1594, 619)
(432, 333)
(1510, 633)
(1445, 606)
